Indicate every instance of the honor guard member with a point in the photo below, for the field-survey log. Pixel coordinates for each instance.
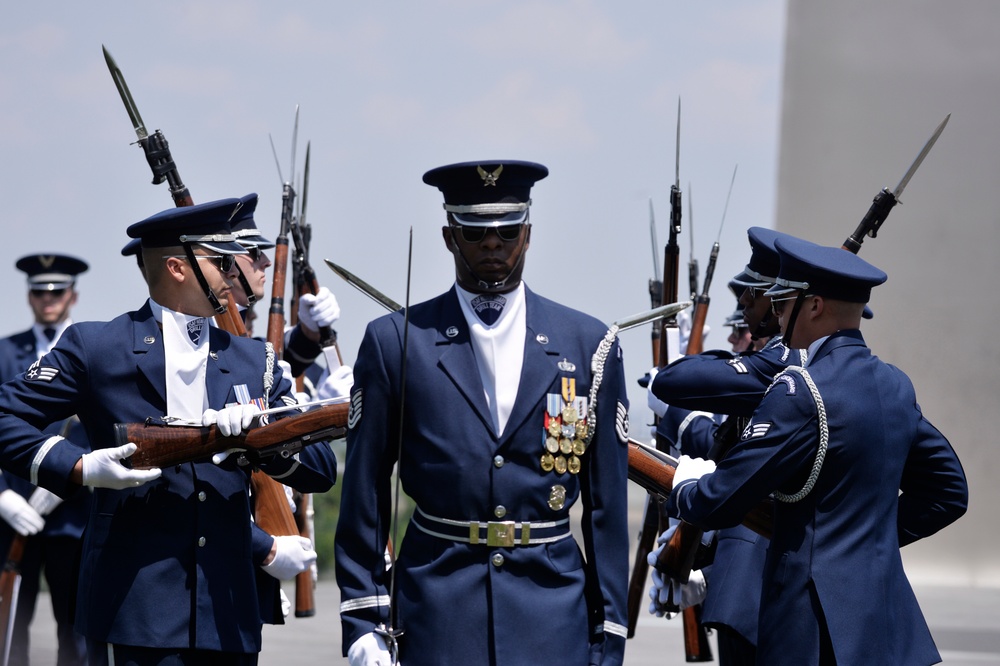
(55, 527)
(856, 470)
(301, 349)
(166, 574)
(499, 437)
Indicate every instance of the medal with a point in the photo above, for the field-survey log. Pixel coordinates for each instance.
(579, 446)
(573, 465)
(560, 465)
(551, 444)
(557, 497)
(547, 462)
(555, 428)
(569, 414)
(565, 446)
(581, 429)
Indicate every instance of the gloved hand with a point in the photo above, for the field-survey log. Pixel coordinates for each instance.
(369, 650)
(231, 420)
(319, 310)
(43, 501)
(292, 555)
(684, 322)
(19, 514)
(658, 406)
(667, 596)
(691, 469)
(336, 384)
(103, 469)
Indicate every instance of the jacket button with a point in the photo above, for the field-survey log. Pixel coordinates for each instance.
(498, 559)
(202, 496)
(201, 541)
(498, 461)
(500, 511)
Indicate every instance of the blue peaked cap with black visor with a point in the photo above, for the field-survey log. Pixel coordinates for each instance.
(831, 272)
(489, 193)
(207, 224)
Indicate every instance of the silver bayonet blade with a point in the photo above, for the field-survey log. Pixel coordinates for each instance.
(365, 288)
(119, 79)
(920, 158)
(651, 315)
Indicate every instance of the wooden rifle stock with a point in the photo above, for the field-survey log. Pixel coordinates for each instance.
(304, 585)
(162, 445)
(10, 582)
(696, 645)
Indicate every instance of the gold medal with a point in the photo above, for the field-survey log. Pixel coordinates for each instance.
(581, 429)
(565, 446)
(552, 445)
(560, 465)
(573, 465)
(569, 414)
(579, 446)
(557, 497)
(547, 462)
(555, 428)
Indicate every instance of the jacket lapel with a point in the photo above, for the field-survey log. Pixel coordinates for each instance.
(217, 381)
(539, 369)
(458, 359)
(147, 345)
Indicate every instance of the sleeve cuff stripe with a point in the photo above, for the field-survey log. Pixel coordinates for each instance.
(364, 602)
(616, 629)
(36, 463)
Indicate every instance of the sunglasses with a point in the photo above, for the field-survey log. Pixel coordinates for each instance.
(226, 261)
(506, 232)
(54, 293)
(778, 304)
(255, 252)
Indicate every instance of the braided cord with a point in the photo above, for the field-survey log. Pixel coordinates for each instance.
(268, 376)
(824, 440)
(597, 363)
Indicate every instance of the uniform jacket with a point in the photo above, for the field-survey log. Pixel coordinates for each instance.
(167, 564)
(889, 478)
(732, 384)
(17, 353)
(476, 604)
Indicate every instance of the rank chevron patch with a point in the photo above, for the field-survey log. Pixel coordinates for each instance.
(755, 430)
(354, 412)
(621, 423)
(36, 373)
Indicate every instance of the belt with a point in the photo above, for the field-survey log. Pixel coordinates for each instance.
(496, 534)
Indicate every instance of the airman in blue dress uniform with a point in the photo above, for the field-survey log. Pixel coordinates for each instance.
(500, 437)
(167, 575)
(856, 469)
(55, 526)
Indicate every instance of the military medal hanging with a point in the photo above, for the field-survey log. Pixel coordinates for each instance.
(565, 435)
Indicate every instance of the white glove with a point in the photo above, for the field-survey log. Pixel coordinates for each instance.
(684, 322)
(19, 514)
(667, 594)
(658, 406)
(43, 501)
(369, 650)
(691, 469)
(231, 420)
(294, 554)
(318, 311)
(103, 469)
(336, 384)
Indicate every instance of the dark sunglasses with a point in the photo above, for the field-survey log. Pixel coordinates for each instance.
(54, 293)
(255, 252)
(506, 232)
(226, 261)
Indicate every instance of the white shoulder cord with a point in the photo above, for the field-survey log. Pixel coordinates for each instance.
(597, 369)
(824, 439)
(268, 376)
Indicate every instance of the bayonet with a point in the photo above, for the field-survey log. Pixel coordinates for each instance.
(885, 200)
(650, 315)
(126, 95)
(692, 261)
(365, 288)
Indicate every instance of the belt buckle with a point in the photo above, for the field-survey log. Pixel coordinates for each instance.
(500, 534)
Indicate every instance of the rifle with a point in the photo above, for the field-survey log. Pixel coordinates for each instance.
(653, 517)
(272, 512)
(162, 445)
(10, 585)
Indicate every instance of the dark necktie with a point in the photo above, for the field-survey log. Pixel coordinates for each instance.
(49, 333)
(488, 307)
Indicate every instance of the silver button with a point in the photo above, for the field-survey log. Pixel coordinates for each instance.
(498, 461)
(500, 511)
(498, 559)
(201, 541)
(202, 496)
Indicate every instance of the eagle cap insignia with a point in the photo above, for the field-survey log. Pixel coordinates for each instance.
(489, 178)
(46, 261)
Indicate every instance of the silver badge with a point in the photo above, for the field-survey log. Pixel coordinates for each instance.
(452, 331)
(557, 497)
(542, 339)
(149, 339)
(565, 365)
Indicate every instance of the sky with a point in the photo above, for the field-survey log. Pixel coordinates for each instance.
(386, 91)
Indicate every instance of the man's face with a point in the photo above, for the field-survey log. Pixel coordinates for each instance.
(220, 272)
(253, 266)
(488, 255)
(757, 312)
(51, 306)
(740, 339)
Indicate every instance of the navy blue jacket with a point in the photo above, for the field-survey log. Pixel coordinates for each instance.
(475, 604)
(167, 564)
(889, 478)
